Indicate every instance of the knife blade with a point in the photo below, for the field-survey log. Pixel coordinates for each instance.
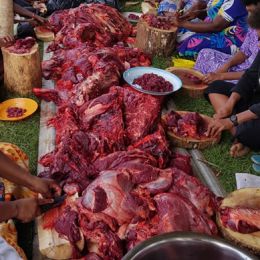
(56, 203)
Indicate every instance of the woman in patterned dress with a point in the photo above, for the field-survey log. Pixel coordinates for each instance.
(217, 65)
(224, 29)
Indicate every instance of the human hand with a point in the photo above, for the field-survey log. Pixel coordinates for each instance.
(223, 68)
(28, 209)
(47, 187)
(216, 126)
(6, 41)
(212, 76)
(40, 19)
(224, 112)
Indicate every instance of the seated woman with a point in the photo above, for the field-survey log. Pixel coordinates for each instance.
(237, 107)
(221, 66)
(224, 29)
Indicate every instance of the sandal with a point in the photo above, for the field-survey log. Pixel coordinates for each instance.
(256, 159)
(256, 168)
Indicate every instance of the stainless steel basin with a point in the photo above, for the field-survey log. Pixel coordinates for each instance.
(187, 246)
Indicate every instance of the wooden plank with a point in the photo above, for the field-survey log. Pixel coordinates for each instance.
(46, 142)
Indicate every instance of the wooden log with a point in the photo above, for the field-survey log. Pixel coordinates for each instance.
(6, 18)
(22, 72)
(51, 245)
(247, 198)
(44, 34)
(155, 41)
(192, 90)
(192, 143)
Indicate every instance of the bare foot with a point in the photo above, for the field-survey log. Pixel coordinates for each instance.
(238, 150)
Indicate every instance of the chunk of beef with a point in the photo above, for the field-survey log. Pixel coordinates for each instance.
(242, 220)
(178, 214)
(155, 144)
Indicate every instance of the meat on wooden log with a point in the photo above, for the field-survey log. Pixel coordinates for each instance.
(22, 66)
(155, 41)
(239, 218)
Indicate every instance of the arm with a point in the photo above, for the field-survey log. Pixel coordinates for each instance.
(237, 59)
(24, 12)
(195, 10)
(8, 210)
(24, 210)
(213, 76)
(217, 25)
(216, 126)
(14, 173)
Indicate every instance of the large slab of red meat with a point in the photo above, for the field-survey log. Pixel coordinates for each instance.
(110, 147)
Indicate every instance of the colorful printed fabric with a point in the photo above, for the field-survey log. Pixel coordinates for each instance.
(210, 60)
(226, 41)
(21, 159)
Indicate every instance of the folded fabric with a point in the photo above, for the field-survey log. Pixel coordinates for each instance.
(247, 180)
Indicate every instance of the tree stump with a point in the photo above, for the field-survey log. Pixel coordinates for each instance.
(22, 72)
(155, 41)
(6, 18)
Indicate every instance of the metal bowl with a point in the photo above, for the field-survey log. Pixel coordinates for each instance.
(187, 246)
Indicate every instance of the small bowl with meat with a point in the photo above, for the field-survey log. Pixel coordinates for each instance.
(188, 129)
(17, 109)
(152, 81)
(191, 80)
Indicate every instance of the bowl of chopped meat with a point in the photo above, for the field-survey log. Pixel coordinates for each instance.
(17, 109)
(152, 81)
(192, 81)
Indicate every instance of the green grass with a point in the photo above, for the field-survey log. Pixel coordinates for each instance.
(226, 166)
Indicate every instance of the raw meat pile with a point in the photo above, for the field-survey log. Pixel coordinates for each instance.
(15, 112)
(22, 46)
(188, 125)
(160, 22)
(241, 219)
(153, 82)
(110, 147)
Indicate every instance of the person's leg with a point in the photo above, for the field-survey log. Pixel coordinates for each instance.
(25, 30)
(218, 93)
(247, 137)
(210, 60)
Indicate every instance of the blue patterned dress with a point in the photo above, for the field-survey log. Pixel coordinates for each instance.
(228, 40)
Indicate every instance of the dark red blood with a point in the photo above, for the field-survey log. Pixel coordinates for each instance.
(153, 82)
(194, 79)
(43, 29)
(15, 112)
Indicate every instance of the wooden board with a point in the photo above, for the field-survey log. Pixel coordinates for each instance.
(193, 90)
(248, 197)
(191, 143)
